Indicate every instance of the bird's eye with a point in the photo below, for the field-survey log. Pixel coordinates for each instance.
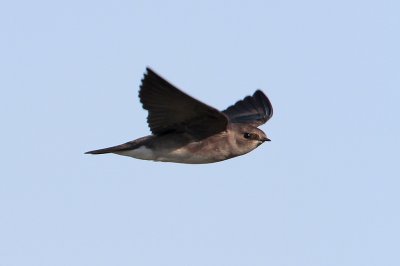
(247, 135)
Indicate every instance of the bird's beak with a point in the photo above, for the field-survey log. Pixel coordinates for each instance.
(265, 139)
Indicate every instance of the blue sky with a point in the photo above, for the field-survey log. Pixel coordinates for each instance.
(325, 191)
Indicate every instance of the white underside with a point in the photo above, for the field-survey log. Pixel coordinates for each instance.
(139, 153)
(180, 155)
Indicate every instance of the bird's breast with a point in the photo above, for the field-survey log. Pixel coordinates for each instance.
(198, 152)
(213, 149)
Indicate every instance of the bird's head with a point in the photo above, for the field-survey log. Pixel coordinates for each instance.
(248, 137)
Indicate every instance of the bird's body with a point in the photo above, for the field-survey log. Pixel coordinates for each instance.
(187, 151)
(188, 131)
(182, 148)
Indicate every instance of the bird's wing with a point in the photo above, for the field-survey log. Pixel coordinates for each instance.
(254, 110)
(171, 110)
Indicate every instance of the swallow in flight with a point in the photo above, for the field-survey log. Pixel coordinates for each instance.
(185, 130)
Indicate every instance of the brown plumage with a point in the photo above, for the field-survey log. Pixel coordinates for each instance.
(185, 130)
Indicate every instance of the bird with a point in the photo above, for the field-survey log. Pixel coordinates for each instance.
(185, 130)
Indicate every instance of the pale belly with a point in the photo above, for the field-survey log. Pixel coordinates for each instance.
(189, 154)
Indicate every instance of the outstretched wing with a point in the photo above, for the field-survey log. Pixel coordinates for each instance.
(171, 110)
(254, 110)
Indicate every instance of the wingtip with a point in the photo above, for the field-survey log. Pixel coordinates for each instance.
(264, 99)
(149, 70)
(260, 93)
(149, 73)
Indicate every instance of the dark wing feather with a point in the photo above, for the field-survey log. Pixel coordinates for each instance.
(171, 110)
(254, 110)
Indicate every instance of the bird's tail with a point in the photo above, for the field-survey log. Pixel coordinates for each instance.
(123, 147)
(107, 150)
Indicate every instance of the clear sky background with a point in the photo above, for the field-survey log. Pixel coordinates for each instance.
(325, 191)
